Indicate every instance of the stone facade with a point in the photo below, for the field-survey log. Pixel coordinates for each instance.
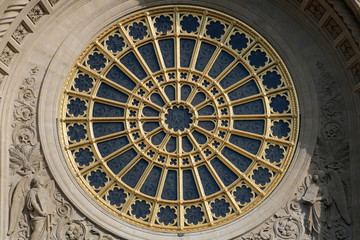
(317, 198)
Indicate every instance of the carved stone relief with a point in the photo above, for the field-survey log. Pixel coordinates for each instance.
(36, 13)
(320, 208)
(10, 14)
(7, 54)
(38, 209)
(20, 33)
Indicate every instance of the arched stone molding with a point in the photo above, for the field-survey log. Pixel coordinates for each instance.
(53, 62)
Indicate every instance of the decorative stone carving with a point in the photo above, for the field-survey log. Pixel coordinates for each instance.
(287, 223)
(20, 33)
(347, 50)
(333, 28)
(38, 210)
(7, 54)
(53, 2)
(344, 10)
(10, 14)
(316, 9)
(320, 208)
(36, 13)
(355, 70)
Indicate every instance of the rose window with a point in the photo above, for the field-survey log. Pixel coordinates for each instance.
(179, 119)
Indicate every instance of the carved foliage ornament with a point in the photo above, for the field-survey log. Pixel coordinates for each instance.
(320, 209)
(38, 211)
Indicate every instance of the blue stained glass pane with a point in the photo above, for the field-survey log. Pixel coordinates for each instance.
(238, 41)
(223, 60)
(108, 92)
(189, 23)
(106, 128)
(253, 126)
(84, 157)
(208, 182)
(279, 104)
(234, 76)
(132, 177)
(185, 91)
(152, 181)
(271, 80)
(96, 61)
(248, 89)
(156, 98)
(171, 145)
(150, 112)
(215, 29)
(240, 161)
(194, 215)
(170, 92)
(148, 53)
(140, 209)
(199, 98)
(115, 43)
(167, 215)
(111, 146)
(226, 175)
(118, 76)
(76, 107)
(207, 110)
(97, 179)
(158, 138)
(163, 24)
(117, 197)
(104, 110)
(167, 51)
(248, 144)
(149, 126)
(118, 163)
(83, 83)
(199, 137)
(77, 132)
(178, 118)
(186, 144)
(204, 55)
(258, 58)
(220, 208)
(130, 61)
(190, 190)
(274, 153)
(280, 129)
(243, 194)
(207, 125)
(186, 50)
(138, 31)
(169, 191)
(261, 176)
(254, 107)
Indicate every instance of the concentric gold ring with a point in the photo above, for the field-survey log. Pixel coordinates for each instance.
(179, 119)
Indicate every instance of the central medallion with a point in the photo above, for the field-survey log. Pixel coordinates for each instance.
(178, 118)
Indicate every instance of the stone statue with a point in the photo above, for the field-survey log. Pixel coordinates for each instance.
(32, 202)
(41, 208)
(318, 199)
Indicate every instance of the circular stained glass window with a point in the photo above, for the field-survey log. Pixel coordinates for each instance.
(179, 119)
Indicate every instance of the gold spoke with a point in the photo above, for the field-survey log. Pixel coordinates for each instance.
(240, 174)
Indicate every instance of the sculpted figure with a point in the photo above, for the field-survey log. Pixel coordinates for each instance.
(32, 202)
(41, 208)
(317, 198)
